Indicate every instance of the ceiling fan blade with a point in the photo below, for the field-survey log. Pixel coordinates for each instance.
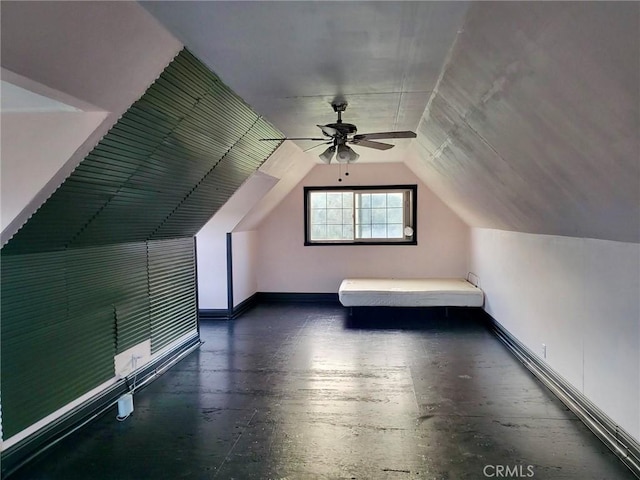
(319, 145)
(370, 144)
(294, 138)
(328, 131)
(382, 135)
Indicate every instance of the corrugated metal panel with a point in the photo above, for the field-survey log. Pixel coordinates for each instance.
(139, 180)
(53, 357)
(219, 183)
(90, 274)
(112, 278)
(172, 291)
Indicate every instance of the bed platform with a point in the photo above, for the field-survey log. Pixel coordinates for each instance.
(409, 292)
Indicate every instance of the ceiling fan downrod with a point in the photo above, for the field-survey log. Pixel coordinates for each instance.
(339, 107)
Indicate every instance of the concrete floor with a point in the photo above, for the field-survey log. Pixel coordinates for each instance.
(301, 392)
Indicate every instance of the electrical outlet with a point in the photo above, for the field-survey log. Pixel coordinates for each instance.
(544, 351)
(133, 358)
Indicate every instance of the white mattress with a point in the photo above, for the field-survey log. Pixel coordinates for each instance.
(411, 292)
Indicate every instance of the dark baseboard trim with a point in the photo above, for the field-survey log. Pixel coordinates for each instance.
(225, 314)
(24, 451)
(289, 297)
(213, 314)
(267, 297)
(611, 434)
(245, 306)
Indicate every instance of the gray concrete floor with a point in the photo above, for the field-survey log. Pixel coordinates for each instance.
(302, 392)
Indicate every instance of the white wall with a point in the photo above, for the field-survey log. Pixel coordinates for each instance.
(284, 264)
(35, 146)
(578, 296)
(211, 247)
(251, 203)
(104, 53)
(211, 240)
(244, 258)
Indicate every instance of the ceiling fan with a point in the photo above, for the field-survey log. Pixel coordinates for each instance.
(339, 134)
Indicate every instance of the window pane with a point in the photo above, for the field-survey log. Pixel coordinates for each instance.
(369, 214)
(334, 200)
(334, 216)
(394, 199)
(318, 200)
(379, 230)
(364, 231)
(347, 216)
(395, 230)
(394, 215)
(318, 216)
(318, 232)
(363, 215)
(334, 232)
(378, 200)
(379, 215)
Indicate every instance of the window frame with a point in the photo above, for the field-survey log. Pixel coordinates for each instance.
(413, 215)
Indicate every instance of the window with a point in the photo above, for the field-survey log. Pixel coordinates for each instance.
(360, 215)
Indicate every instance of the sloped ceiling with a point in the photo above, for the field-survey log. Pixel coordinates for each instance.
(289, 60)
(173, 159)
(527, 112)
(535, 126)
(87, 50)
(97, 57)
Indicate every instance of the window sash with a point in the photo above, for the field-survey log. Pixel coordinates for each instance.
(367, 215)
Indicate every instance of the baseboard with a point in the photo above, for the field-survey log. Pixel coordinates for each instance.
(226, 314)
(245, 305)
(611, 434)
(213, 314)
(32, 446)
(267, 297)
(295, 297)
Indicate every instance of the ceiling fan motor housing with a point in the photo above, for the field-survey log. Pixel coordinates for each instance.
(344, 129)
(339, 106)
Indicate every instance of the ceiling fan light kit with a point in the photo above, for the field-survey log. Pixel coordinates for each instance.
(346, 154)
(327, 155)
(341, 133)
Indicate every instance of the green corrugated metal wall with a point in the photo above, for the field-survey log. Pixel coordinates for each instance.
(171, 288)
(108, 261)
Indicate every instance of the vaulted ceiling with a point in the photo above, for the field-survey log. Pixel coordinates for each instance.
(527, 112)
(289, 60)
